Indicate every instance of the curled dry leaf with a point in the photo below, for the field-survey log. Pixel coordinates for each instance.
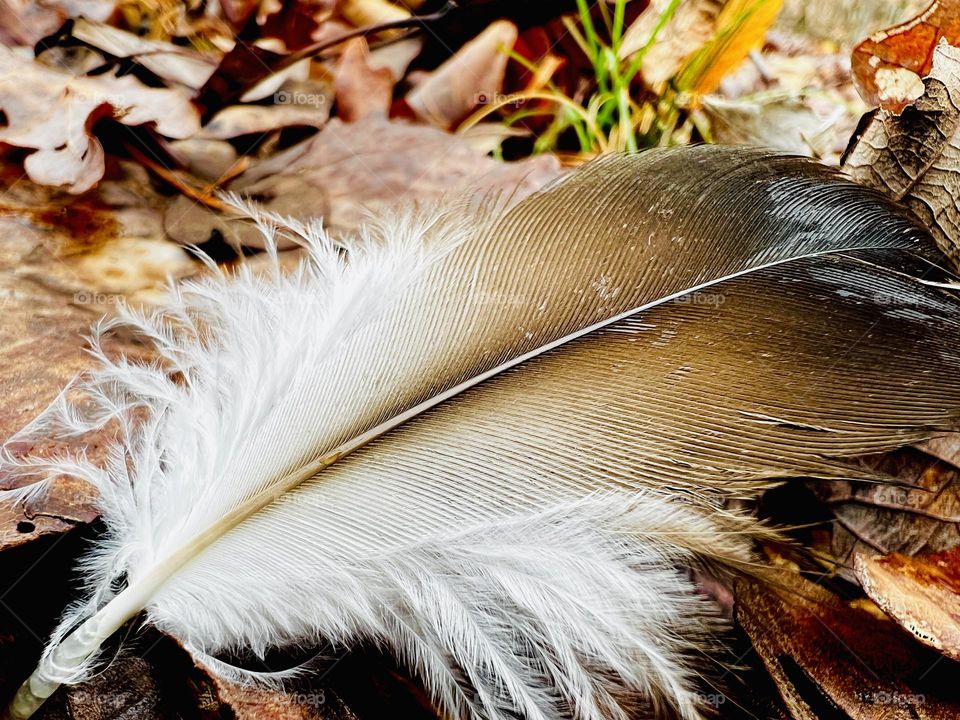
(921, 593)
(308, 108)
(830, 660)
(53, 113)
(690, 27)
(471, 77)
(915, 156)
(888, 65)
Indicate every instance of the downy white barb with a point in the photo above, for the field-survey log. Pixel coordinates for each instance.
(442, 438)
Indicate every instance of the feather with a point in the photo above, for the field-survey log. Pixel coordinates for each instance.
(489, 440)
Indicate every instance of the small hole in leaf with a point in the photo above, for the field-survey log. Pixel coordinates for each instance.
(25, 526)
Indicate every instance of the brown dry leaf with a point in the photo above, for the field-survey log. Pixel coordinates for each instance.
(922, 593)
(830, 660)
(347, 170)
(915, 156)
(472, 76)
(64, 262)
(41, 349)
(372, 12)
(361, 90)
(917, 511)
(309, 107)
(887, 66)
(53, 112)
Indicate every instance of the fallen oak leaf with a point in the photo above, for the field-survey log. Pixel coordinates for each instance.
(914, 156)
(922, 593)
(53, 112)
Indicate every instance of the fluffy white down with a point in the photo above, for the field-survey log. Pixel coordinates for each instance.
(581, 609)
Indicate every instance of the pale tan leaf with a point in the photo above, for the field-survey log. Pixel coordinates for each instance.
(53, 112)
(361, 90)
(473, 76)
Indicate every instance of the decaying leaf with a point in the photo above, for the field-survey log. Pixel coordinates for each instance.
(309, 107)
(347, 170)
(53, 113)
(915, 156)
(922, 593)
(830, 660)
(691, 25)
(915, 510)
(472, 76)
(888, 66)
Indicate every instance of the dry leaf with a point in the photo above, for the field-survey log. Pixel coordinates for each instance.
(53, 112)
(307, 108)
(915, 156)
(791, 122)
(372, 12)
(361, 89)
(171, 63)
(887, 66)
(691, 26)
(922, 593)
(348, 170)
(472, 76)
(830, 660)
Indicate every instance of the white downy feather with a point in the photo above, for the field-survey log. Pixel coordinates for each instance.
(581, 605)
(300, 465)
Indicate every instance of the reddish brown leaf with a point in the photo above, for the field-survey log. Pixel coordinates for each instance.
(922, 593)
(888, 65)
(830, 660)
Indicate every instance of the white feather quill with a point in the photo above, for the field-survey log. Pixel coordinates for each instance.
(461, 437)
